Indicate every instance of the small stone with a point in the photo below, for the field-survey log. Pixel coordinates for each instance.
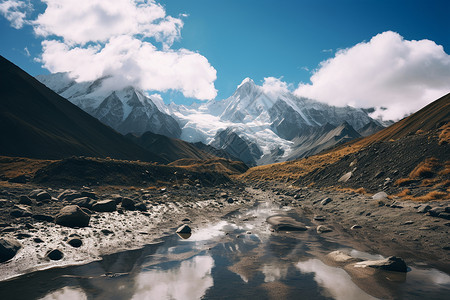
(54, 254)
(408, 223)
(75, 242)
(230, 200)
(319, 218)
(345, 177)
(141, 206)
(128, 203)
(37, 240)
(380, 196)
(356, 227)
(391, 263)
(106, 231)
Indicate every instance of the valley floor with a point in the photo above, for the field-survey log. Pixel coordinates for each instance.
(380, 226)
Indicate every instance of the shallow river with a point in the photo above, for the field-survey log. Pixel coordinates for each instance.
(236, 258)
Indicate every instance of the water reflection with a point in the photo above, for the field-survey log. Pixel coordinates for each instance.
(66, 293)
(337, 282)
(189, 280)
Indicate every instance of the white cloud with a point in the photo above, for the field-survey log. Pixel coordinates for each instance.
(130, 61)
(84, 21)
(15, 11)
(91, 39)
(387, 71)
(274, 86)
(27, 52)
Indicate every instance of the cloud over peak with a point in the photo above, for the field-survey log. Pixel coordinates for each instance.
(118, 39)
(387, 71)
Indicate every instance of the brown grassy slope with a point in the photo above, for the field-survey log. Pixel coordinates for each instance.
(11, 167)
(433, 116)
(35, 122)
(219, 165)
(78, 171)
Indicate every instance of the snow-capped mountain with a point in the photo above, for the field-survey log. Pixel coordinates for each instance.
(127, 110)
(273, 123)
(253, 125)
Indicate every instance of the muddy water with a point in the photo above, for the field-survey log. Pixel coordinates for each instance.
(236, 258)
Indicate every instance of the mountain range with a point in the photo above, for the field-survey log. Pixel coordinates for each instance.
(252, 125)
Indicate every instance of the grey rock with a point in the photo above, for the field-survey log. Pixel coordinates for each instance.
(380, 196)
(8, 248)
(184, 229)
(391, 263)
(140, 206)
(83, 202)
(25, 200)
(54, 254)
(444, 215)
(435, 211)
(230, 200)
(423, 209)
(72, 216)
(75, 242)
(43, 196)
(356, 226)
(323, 229)
(285, 223)
(105, 206)
(91, 195)
(326, 201)
(345, 177)
(340, 257)
(19, 211)
(33, 194)
(128, 203)
(319, 218)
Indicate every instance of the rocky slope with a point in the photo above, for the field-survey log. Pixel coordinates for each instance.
(127, 110)
(36, 122)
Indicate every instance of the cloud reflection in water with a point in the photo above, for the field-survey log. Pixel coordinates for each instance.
(189, 281)
(336, 281)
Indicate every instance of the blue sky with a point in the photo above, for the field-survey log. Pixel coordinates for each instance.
(285, 39)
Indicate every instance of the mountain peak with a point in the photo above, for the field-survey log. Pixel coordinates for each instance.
(246, 81)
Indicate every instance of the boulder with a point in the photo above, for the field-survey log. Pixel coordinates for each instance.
(285, 223)
(424, 208)
(184, 229)
(54, 254)
(25, 200)
(43, 196)
(33, 194)
(69, 196)
(323, 229)
(91, 195)
(104, 206)
(340, 257)
(83, 202)
(117, 198)
(345, 177)
(75, 242)
(19, 211)
(128, 203)
(8, 248)
(380, 196)
(72, 216)
(326, 201)
(435, 211)
(140, 206)
(391, 263)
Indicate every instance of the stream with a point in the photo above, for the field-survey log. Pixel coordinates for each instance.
(239, 257)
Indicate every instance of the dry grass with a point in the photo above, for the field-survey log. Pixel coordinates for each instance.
(404, 181)
(404, 193)
(298, 168)
(11, 167)
(360, 190)
(425, 169)
(444, 136)
(446, 170)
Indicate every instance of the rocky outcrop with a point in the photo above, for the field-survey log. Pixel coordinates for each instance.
(8, 248)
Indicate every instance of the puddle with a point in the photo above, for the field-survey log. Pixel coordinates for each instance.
(238, 257)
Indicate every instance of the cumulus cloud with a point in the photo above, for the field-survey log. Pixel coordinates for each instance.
(387, 71)
(84, 21)
(274, 86)
(16, 12)
(128, 61)
(117, 40)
